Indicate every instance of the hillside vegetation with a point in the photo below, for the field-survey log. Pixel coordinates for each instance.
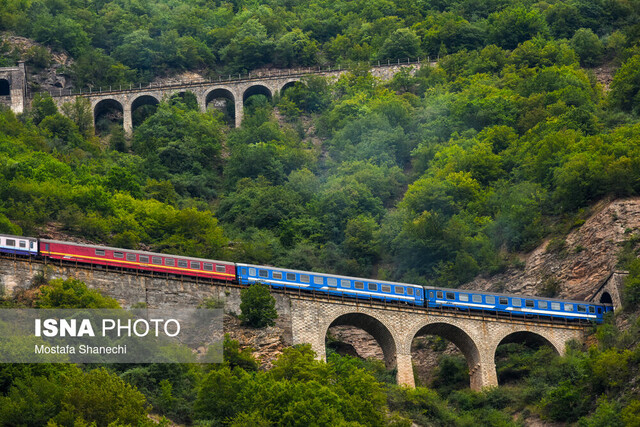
(433, 177)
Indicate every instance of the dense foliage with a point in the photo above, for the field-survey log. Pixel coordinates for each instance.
(435, 176)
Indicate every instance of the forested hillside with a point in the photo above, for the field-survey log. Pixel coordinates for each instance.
(434, 177)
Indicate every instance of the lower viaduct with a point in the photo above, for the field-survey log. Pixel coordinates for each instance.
(306, 318)
(231, 91)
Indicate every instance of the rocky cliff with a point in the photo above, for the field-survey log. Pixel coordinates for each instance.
(574, 266)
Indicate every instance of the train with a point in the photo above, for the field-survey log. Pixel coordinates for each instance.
(307, 281)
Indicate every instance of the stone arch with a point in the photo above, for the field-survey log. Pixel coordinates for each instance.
(183, 94)
(374, 327)
(105, 111)
(530, 338)
(223, 99)
(5, 87)
(459, 337)
(256, 90)
(149, 102)
(605, 298)
(287, 85)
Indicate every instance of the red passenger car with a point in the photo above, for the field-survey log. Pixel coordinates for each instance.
(138, 260)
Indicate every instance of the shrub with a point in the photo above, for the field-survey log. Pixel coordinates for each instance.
(257, 306)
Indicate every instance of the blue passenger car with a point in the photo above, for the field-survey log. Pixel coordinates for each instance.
(353, 287)
(516, 305)
(18, 245)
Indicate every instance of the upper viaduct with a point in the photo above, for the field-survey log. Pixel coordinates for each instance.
(306, 318)
(233, 89)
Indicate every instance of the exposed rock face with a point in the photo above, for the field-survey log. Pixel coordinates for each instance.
(364, 344)
(267, 343)
(587, 257)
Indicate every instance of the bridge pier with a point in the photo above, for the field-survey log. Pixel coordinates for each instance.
(404, 366)
(127, 119)
(239, 109)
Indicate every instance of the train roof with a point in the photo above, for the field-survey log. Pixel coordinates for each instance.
(136, 252)
(363, 279)
(19, 237)
(498, 294)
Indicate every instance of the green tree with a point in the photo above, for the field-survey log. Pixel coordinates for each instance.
(515, 25)
(588, 46)
(401, 44)
(295, 48)
(625, 87)
(71, 293)
(258, 306)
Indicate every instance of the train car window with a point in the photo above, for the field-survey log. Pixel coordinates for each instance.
(542, 304)
(592, 309)
(359, 285)
(490, 299)
(503, 300)
(156, 260)
(305, 278)
(276, 275)
(291, 276)
(207, 266)
(182, 263)
(372, 286)
(568, 307)
(418, 292)
(599, 310)
(332, 281)
(476, 298)
(195, 265)
(399, 290)
(528, 303)
(451, 295)
(170, 262)
(432, 295)
(46, 246)
(11, 242)
(221, 268)
(23, 244)
(440, 294)
(318, 280)
(555, 306)
(344, 283)
(99, 252)
(263, 273)
(252, 271)
(118, 255)
(516, 302)
(131, 257)
(582, 308)
(386, 288)
(409, 291)
(31, 245)
(144, 258)
(463, 297)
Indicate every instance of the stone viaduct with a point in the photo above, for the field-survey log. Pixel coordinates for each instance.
(233, 90)
(306, 318)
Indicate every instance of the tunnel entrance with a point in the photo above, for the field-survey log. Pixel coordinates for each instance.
(5, 87)
(605, 298)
